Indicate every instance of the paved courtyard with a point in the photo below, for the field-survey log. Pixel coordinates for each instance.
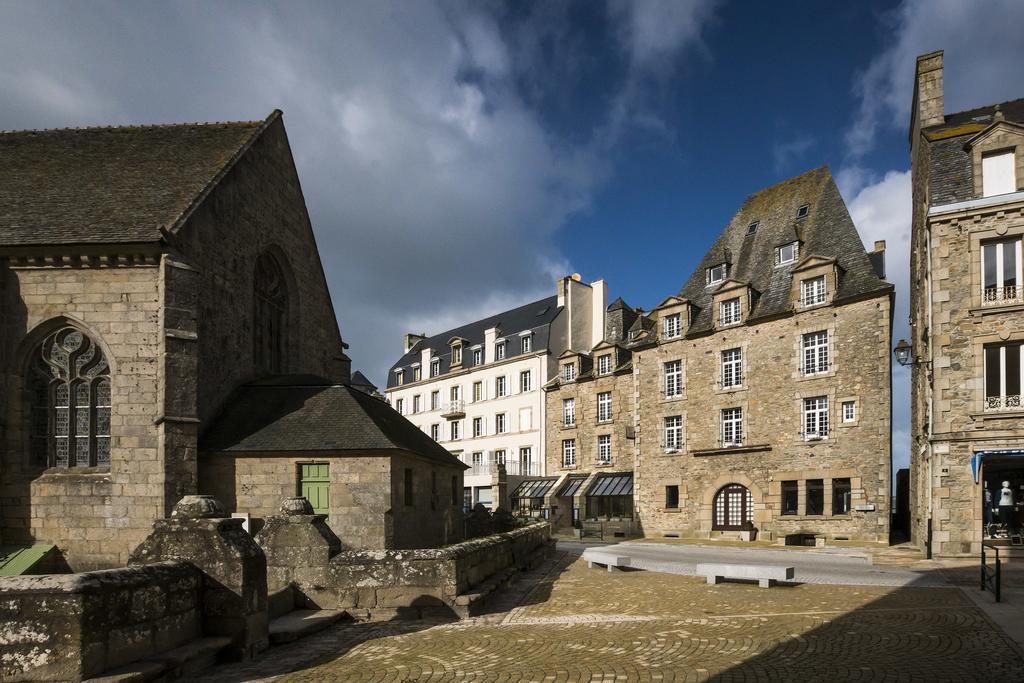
(568, 623)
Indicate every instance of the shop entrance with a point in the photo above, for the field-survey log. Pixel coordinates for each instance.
(1002, 492)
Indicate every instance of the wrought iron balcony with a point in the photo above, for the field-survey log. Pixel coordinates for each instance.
(454, 410)
(997, 404)
(1000, 296)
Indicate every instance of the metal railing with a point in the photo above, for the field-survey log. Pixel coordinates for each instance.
(992, 579)
(453, 407)
(511, 467)
(997, 403)
(995, 296)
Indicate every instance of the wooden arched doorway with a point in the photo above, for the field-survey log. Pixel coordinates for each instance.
(733, 508)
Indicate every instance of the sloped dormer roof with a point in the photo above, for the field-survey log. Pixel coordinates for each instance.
(111, 185)
(827, 230)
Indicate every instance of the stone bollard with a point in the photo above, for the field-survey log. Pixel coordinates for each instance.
(233, 566)
(293, 540)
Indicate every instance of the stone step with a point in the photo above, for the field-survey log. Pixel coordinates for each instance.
(301, 623)
(181, 662)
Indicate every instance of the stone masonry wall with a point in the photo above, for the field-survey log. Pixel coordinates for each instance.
(771, 398)
(367, 508)
(75, 626)
(94, 516)
(961, 422)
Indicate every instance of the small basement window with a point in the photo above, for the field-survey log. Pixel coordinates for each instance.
(802, 211)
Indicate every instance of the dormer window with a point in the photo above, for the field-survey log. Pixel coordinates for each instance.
(400, 377)
(802, 211)
(569, 372)
(812, 291)
(456, 354)
(526, 342)
(672, 327)
(435, 367)
(717, 274)
(787, 253)
(478, 356)
(752, 228)
(416, 374)
(499, 350)
(729, 312)
(604, 364)
(998, 175)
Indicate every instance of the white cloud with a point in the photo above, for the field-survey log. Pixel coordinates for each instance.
(983, 54)
(882, 211)
(434, 187)
(785, 153)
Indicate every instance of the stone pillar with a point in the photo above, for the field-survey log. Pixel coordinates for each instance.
(234, 569)
(499, 488)
(294, 539)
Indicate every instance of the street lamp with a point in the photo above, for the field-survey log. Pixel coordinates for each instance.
(902, 351)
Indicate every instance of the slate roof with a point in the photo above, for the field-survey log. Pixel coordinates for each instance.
(304, 413)
(360, 381)
(826, 231)
(1012, 110)
(111, 185)
(535, 316)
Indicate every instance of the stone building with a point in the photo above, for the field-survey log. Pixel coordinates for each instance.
(146, 272)
(763, 392)
(591, 407)
(476, 389)
(967, 319)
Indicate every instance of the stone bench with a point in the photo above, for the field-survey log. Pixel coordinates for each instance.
(612, 561)
(766, 575)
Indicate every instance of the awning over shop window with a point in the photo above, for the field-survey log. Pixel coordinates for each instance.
(1000, 452)
(572, 486)
(533, 488)
(612, 485)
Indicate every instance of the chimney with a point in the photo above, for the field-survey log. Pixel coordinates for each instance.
(879, 245)
(928, 109)
(411, 340)
(877, 258)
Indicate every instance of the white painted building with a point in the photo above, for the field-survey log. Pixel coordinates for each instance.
(476, 389)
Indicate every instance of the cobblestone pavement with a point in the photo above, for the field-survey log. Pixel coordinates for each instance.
(568, 623)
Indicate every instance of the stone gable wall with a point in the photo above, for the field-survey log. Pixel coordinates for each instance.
(771, 398)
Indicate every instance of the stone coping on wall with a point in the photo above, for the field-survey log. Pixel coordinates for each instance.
(123, 578)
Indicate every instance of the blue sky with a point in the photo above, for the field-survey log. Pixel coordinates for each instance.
(457, 157)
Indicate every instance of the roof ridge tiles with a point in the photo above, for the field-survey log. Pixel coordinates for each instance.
(132, 126)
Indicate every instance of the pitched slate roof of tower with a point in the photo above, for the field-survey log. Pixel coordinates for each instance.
(301, 413)
(973, 120)
(534, 315)
(826, 231)
(111, 185)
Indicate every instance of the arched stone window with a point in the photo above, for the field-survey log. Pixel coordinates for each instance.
(69, 395)
(270, 316)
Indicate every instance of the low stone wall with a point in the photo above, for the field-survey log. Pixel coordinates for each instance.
(424, 582)
(66, 627)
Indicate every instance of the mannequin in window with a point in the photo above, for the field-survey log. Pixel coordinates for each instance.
(1006, 505)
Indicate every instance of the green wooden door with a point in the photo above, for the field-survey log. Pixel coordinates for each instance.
(315, 485)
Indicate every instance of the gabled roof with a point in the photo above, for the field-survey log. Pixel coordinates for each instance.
(827, 230)
(532, 316)
(671, 300)
(360, 381)
(302, 414)
(110, 185)
(619, 303)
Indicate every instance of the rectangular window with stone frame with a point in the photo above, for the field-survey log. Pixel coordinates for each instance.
(454, 429)
(526, 343)
(790, 497)
(1001, 272)
(499, 351)
(729, 312)
(525, 381)
(815, 418)
(416, 404)
(478, 426)
(732, 368)
(841, 493)
(478, 357)
(815, 497)
(673, 379)
(812, 291)
(672, 497)
(478, 391)
(604, 364)
(568, 452)
(499, 386)
(604, 406)
(604, 449)
(456, 354)
(1003, 376)
(435, 432)
(672, 327)
(435, 367)
(499, 423)
(569, 372)
(435, 400)
(568, 412)
(673, 433)
(814, 346)
(732, 426)
(400, 406)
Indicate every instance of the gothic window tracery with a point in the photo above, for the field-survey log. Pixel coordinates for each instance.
(271, 315)
(69, 402)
